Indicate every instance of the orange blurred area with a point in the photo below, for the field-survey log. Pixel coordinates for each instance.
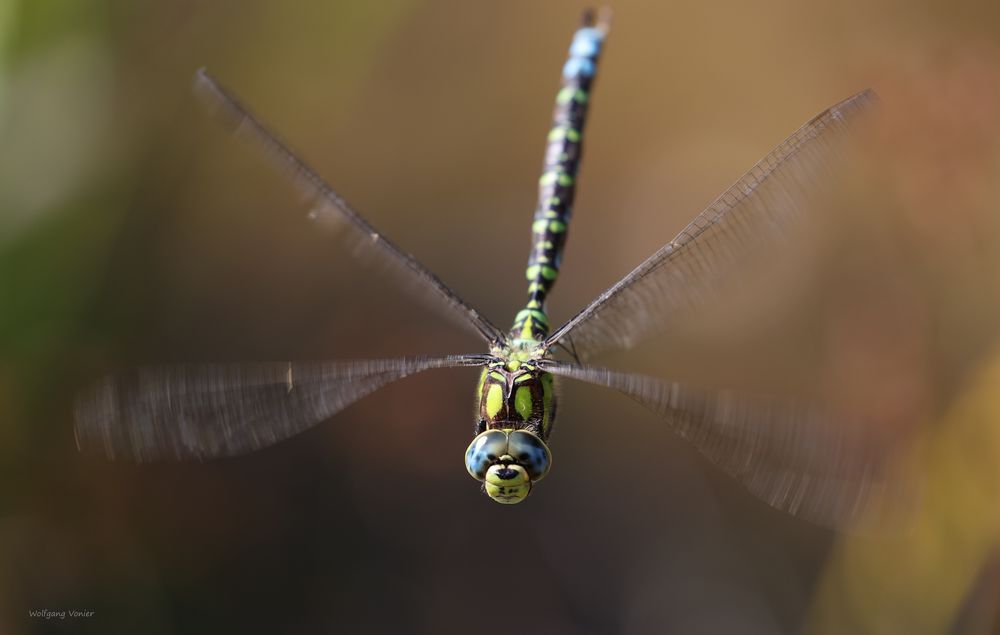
(133, 231)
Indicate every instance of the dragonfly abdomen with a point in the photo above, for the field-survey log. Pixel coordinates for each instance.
(557, 184)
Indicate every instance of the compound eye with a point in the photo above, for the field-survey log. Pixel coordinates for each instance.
(485, 450)
(531, 452)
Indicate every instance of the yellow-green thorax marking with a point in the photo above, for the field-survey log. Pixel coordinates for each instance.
(515, 395)
(517, 406)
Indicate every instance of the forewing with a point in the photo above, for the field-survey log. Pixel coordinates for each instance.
(752, 216)
(329, 208)
(791, 454)
(201, 412)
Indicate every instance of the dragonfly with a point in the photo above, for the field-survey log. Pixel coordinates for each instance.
(791, 453)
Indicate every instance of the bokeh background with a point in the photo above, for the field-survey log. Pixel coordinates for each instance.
(134, 231)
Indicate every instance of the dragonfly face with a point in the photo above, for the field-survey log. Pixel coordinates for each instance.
(516, 409)
(508, 462)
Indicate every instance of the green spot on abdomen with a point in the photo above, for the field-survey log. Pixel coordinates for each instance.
(532, 313)
(569, 94)
(565, 95)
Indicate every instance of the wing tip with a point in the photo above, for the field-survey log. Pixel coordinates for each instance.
(203, 81)
(861, 101)
(93, 409)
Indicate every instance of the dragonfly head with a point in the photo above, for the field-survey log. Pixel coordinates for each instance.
(508, 463)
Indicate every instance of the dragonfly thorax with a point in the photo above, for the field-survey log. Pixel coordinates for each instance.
(516, 406)
(515, 395)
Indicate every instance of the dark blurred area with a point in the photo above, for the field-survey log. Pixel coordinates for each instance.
(133, 231)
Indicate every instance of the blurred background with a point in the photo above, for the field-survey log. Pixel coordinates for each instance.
(133, 231)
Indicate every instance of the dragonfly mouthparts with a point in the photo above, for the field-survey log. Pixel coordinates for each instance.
(506, 473)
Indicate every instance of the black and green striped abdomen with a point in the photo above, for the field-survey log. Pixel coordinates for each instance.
(557, 185)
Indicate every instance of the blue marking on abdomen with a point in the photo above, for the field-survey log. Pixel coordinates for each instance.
(587, 42)
(582, 52)
(577, 66)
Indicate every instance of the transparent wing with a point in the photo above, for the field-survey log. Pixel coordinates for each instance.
(751, 216)
(330, 208)
(201, 412)
(792, 455)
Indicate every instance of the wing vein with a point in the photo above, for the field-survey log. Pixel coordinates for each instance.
(810, 461)
(330, 207)
(755, 212)
(212, 410)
